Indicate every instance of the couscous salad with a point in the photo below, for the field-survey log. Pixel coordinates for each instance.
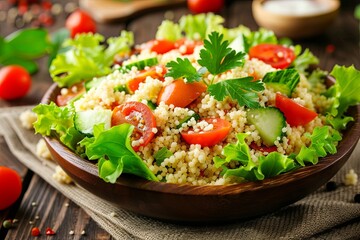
(200, 104)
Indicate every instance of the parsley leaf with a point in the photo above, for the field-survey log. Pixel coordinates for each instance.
(244, 90)
(161, 155)
(217, 56)
(182, 68)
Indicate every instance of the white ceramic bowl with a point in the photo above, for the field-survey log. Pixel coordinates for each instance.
(295, 18)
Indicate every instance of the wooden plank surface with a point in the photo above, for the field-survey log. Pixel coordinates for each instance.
(56, 211)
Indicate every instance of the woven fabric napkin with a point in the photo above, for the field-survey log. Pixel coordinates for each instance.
(321, 215)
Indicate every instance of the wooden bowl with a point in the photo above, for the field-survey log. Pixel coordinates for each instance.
(189, 203)
(295, 25)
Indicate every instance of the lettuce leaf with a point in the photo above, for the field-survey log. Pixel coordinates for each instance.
(323, 141)
(198, 26)
(168, 30)
(256, 37)
(59, 119)
(274, 164)
(86, 57)
(304, 60)
(116, 156)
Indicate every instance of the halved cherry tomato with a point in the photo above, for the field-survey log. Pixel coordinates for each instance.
(181, 94)
(153, 72)
(275, 55)
(263, 148)
(209, 138)
(160, 46)
(10, 187)
(138, 115)
(187, 46)
(295, 114)
(74, 91)
(80, 22)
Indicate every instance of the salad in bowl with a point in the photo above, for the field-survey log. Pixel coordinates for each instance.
(200, 104)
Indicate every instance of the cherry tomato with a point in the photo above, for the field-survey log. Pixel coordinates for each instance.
(180, 94)
(295, 114)
(139, 115)
(15, 82)
(263, 148)
(10, 187)
(35, 231)
(275, 55)
(74, 91)
(153, 72)
(80, 22)
(209, 138)
(204, 6)
(159, 46)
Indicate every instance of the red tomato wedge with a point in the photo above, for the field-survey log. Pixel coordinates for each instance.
(181, 94)
(263, 148)
(295, 114)
(138, 115)
(153, 72)
(74, 91)
(160, 46)
(209, 138)
(275, 55)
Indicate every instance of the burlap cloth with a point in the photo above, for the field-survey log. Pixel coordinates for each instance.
(321, 215)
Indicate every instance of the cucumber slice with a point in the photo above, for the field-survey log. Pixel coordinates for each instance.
(84, 121)
(279, 87)
(186, 119)
(269, 122)
(141, 64)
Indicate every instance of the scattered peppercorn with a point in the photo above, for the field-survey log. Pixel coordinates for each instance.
(331, 186)
(357, 198)
(35, 231)
(7, 224)
(49, 231)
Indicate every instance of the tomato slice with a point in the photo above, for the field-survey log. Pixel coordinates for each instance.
(263, 148)
(277, 56)
(138, 115)
(72, 92)
(159, 46)
(153, 72)
(181, 94)
(295, 114)
(208, 138)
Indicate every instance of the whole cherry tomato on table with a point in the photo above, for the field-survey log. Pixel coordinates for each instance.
(204, 6)
(15, 82)
(277, 56)
(80, 22)
(10, 187)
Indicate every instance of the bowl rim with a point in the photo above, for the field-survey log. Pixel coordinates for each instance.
(346, 146)
(257, 5)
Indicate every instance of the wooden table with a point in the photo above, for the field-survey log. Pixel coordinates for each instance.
(52, 208)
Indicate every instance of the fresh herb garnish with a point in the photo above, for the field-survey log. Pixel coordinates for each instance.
(217, 56)
(161, 155)
(243, 90)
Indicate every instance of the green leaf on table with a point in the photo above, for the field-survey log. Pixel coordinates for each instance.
(29, 43)
(243, 90)
(182, 68)
(217, 56)
(30, 65)
(357, 12)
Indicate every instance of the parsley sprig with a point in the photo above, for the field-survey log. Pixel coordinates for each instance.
(217, 57)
